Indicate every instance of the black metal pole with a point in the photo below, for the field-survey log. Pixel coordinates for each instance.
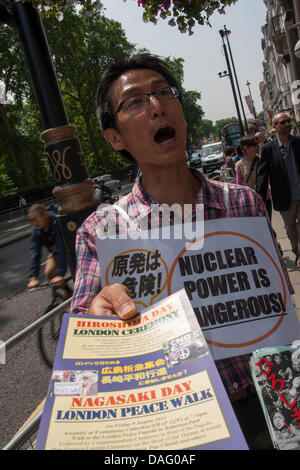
(236, 81)
(233, 87)
(36, 50)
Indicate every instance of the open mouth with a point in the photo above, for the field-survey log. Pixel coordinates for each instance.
(164, 134)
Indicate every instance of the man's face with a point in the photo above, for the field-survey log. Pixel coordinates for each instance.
(283, 124)
(296, 383)
(40, 221)
(157, 134)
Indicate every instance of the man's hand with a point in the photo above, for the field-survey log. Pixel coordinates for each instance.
(113, 300)
(57, 281)
(33, 282)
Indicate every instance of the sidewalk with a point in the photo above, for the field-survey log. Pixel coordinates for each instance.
(288, 257)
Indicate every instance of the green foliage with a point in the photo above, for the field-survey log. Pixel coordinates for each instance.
(81, 47)
(221, 123)
(204, 130)
(193, 112)
(181, 13)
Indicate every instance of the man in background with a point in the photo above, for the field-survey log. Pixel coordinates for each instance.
(45, 232)
(279, 166)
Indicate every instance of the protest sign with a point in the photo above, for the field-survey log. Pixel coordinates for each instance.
(234, 280)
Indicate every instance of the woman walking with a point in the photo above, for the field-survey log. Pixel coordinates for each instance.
(246, 169)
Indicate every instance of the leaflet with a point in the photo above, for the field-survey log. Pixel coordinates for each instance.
(145, 384)
(276, 376)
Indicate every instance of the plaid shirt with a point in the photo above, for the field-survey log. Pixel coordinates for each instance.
(242, 202)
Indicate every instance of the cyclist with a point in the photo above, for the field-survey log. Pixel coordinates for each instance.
(45, 232)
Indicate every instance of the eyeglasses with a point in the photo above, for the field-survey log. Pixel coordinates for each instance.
(285, 121)
(137, 103)
(34, 219)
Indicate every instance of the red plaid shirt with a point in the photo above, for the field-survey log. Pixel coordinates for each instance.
(242, 202)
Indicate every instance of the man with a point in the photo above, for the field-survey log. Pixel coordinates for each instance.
(22, 204)
(45, 232)
(140, 111)
(279, 166)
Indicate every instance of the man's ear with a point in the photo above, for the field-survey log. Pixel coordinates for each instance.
(113, 137)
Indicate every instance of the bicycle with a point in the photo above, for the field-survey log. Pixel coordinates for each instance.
(48, 334)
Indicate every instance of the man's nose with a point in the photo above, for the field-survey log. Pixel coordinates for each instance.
(156, 106)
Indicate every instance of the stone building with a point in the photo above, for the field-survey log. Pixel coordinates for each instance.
(281, 67)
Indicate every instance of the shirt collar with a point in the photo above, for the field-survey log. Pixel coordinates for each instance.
(281, 144)
(210, 193)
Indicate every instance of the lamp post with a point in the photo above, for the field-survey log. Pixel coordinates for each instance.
(227, 32)
(229, 74)
(223, 74)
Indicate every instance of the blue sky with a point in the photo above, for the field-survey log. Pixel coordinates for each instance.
(202, 52)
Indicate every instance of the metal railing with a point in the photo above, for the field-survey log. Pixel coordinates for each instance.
(20, 438)
(16, 212)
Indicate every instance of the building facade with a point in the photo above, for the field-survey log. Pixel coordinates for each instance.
(281, 67)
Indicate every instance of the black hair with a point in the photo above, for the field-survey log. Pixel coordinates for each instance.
(229, 151)
(248, 140)
(104, 107)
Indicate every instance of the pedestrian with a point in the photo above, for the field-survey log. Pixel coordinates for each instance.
(22, 204)
(227, 173)
(246, 169)
(45, 232)
(229, 154)
(139, 107)
(279, 165)
(261, 138)
(238, 154)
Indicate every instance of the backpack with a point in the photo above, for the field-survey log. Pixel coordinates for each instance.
(53, 208)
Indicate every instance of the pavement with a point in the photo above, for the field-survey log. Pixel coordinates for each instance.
(288, 257)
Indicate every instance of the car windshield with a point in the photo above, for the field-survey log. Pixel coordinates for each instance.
(211, 149)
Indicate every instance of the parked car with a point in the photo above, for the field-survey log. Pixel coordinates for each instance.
(131, 175)
(109, 182)
(212, 156)
(195, 160)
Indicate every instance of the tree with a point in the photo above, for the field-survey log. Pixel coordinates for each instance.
(183, 13)
(221, 123)
(97, 41)
(205, 129)
(12, 68)
(193, 111)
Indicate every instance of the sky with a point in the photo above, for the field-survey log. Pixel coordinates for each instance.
(203, 53)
